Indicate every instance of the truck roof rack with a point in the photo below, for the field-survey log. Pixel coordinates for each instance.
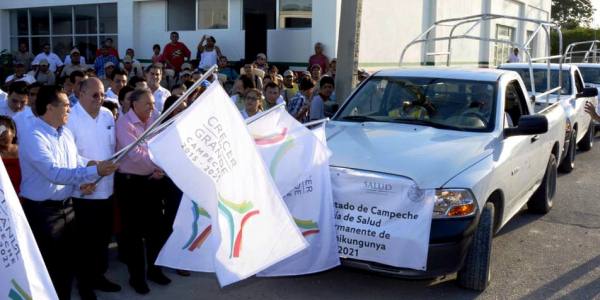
(590, 53)
(476, 21)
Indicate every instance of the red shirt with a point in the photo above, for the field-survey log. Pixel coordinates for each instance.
(111, 51)
(14, 172)
(320, 60)
(175, 54)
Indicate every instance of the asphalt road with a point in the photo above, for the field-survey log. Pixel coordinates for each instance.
(556, 256)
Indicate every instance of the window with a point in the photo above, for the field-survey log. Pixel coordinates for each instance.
(503, 50)
(295, 13)
(212, 14)
(83, 26)
(180, 15)
(533, 45)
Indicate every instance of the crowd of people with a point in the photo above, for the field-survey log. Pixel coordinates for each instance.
(62, 121)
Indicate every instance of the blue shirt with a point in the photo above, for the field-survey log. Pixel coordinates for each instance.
(73, 99)
(101, 60)
(293, 107)
(50, 166)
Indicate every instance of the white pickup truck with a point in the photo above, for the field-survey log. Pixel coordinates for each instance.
(573, 97)
(469, 135)
(591, 78)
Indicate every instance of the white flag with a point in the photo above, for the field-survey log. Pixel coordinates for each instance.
(191, 245)
(210, 155)
(311, 204)
(287, 147)
(23, 274)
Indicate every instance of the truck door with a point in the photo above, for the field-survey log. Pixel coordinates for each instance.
(519, 148)
(579, 105)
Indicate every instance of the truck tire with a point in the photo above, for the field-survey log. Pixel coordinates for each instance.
(568, 163)
(476, 272)
(541, 200)
(587, 142)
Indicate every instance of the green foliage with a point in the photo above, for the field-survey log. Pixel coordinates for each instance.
(572, 13)
(578, 34)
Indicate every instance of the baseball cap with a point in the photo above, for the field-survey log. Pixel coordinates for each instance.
(109, 64)
(261, 55)
(186, 72)
(74, 50)
(44, 62)
(186, 66)
(288, 73)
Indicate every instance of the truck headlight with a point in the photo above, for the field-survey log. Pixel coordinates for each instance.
(452, 203)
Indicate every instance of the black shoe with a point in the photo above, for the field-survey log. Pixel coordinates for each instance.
(159, 277)
(140, 287)
(87, 294)
(106, 285)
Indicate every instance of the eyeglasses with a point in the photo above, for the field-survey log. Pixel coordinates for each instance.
(250, 98)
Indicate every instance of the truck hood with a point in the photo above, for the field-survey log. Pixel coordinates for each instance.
(427, 155)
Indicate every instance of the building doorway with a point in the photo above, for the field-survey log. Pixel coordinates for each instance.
(259, 16)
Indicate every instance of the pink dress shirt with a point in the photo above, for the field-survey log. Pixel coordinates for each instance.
(137, 161)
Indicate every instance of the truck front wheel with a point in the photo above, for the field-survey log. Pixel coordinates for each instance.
(587, 142)
(541, 201)
(476, 272)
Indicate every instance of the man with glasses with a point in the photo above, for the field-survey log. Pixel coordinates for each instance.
(93, 128)
(54, 61)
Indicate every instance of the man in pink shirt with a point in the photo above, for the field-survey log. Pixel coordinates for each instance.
(136, 185)
(319, 59)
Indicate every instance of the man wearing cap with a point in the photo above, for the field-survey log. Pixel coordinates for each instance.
(261, 62)
(290, 88)
(19, 75)
(131, 67)
(53, 60)
(100, 64)
(23, 55)
(109, 68)
(73, 62)
(43, 74)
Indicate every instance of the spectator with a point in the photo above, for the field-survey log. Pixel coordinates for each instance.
(9, 150)
(513, 57)
(25, 118)
(319, 59)
(322, 100)
(196, 75)
(208, 54)
(112, 107)
(102, 60)
(305, 74)
(23, 56)
(43, 74)
(55, 62)
(362, 75)
(177, 91)
(156, 56)
(138, 83)
(226, 70)
(153, 77)
(272, 96)
(315, 72)
(251, 71)
(72, 86)
(299, 105)
(117, 81)
(261, 62)
(20, 75)
(332, 68)
(18, 95)
(183, 77)
(90, 71)
(130, 68)
(74, 57)
(124, 99)
(108, 44)
(290, 88)
(109, 69)
(252, 103)
(52, 171)
(138, 190)
(175, 53)
(93, 129)
(74, 65)
(242, 85)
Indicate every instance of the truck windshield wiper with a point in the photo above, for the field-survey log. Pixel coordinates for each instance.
(359, 118)
(426, 123)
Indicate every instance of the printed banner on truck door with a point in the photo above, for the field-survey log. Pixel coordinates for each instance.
(379, 218)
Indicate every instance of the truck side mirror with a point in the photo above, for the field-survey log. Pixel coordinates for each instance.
(528, 125)
(587, 92)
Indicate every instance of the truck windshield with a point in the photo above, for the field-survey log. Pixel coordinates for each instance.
(442, 103)
(540, 77)
(590, 75)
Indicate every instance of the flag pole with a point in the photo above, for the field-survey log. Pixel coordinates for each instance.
(316, 122)
(119, 155)
(264, 113)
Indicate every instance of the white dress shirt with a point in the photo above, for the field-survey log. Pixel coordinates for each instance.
(26, 77)
(68, 60)
(160, 96)
(24, 119)
(5, 109)
(111, 96)
(53, 60)
(95, 140)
